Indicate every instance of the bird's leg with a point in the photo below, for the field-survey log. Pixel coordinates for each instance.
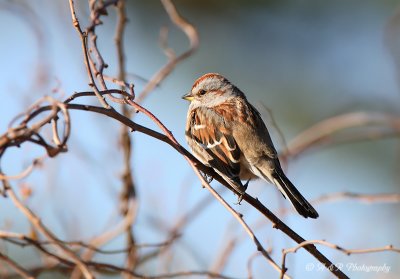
(242, 192)
(240, 198)
(246, 184)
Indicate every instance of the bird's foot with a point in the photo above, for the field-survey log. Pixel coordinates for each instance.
(242, 192)
(240, 198)
(207, 177)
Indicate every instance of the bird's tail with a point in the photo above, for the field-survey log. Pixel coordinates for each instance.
(302, 206)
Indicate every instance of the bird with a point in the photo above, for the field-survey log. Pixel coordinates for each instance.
(226, 132)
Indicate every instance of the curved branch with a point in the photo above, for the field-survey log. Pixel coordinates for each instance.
(191, 34)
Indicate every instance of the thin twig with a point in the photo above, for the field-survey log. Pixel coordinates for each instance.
(25, 241)
(323, 131)
(83, 37)
(18, 269)
(128, 194)
(250, 263)
(343, 196)
(365, 198)
(222, 259)
(24, 173)
(348, 252)
(109, 235)
(190, 32)
(37, 223)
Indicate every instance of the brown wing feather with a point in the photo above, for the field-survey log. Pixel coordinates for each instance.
(213, 144)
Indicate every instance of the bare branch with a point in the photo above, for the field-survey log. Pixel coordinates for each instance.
(83, 37)
(224, 255)
(36, 222)
(366, 198)
(343, 196)
(128, 194)
(193, 37)
(250, 263)
(348, 252)
(24, 173)
(18, 269)
(323, 131)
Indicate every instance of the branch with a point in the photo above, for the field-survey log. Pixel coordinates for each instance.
(191, 33)
(333, 246)
(36, 222)
(24, 241)
(323, 131)
(128, 194)
(114, 232)
(366, 198)
(249, 265)
(83, 37)
(24, 173)
(18, 269)
(342, 196)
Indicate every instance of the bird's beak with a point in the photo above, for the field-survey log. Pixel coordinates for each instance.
(188, 97)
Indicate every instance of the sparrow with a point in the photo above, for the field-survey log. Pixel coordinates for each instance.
(225, 132)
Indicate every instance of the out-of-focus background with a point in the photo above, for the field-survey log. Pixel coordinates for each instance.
(304, 60)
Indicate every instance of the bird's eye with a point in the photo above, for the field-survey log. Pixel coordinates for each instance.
(202, 92)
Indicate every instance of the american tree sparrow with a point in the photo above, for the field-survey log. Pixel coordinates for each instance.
(227, 133)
